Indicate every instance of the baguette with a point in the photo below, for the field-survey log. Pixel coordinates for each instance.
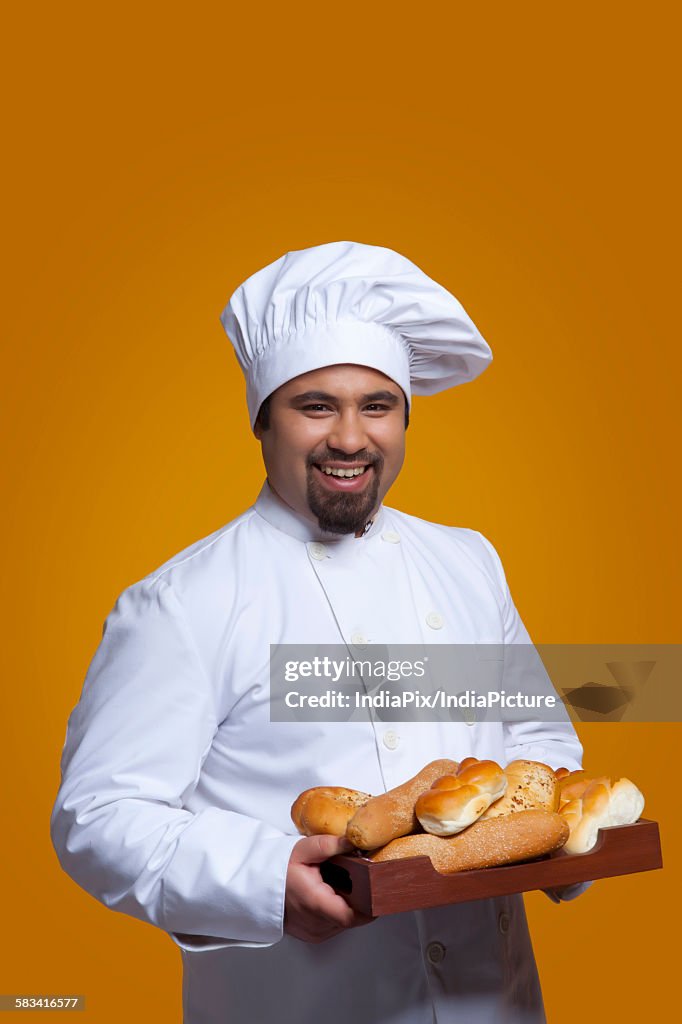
(503, 840)
(326, 810)
(392, 814)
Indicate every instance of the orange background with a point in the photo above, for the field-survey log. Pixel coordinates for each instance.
(524, 156)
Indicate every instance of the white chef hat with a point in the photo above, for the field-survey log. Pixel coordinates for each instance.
(345, 302)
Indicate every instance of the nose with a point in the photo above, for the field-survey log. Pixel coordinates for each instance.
(347, 433)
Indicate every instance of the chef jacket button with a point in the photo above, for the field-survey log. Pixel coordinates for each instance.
(391, 739)
(359, 640)
(317, 551)
(434, 620)
(391, 536)
(435, 952)
(503, 922)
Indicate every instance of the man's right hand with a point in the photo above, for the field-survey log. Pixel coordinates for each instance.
(313, 911)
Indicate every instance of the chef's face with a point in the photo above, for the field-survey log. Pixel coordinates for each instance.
(334, 444)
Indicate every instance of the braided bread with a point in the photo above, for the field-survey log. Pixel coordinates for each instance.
(455, 801)
(600, 805)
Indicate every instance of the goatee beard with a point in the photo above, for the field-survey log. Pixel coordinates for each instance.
(344, 512)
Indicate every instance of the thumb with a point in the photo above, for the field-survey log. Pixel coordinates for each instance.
(315, 849)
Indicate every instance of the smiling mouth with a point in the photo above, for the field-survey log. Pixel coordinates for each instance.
(345, 472)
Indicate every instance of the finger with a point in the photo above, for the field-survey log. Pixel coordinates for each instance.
(326, 928)
(315, 849)
(313, 935)
(360, 919)
(334, 908)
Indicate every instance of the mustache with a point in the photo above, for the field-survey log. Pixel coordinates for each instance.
(332, 455)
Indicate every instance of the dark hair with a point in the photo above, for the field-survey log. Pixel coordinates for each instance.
(263, 417)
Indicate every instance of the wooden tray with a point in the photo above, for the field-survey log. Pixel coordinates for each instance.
(413, 884)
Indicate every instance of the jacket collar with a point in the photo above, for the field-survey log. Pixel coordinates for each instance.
(270, 507)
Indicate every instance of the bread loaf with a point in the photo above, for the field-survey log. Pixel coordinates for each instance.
(531, 785)
(455, 801)
(503, 840)
(392, 814)
(326, 810)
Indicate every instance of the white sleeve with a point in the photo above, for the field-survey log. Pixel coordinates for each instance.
(134, 749)
(553, 742)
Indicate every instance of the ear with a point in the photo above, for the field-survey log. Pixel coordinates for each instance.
(258, 431)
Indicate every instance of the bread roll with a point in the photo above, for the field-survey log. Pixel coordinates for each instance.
(392, 814)
(502, 840)
(576, 787)
(600, 806)
(531, 785)
(326, 810)
(627, 803)
(455, 801)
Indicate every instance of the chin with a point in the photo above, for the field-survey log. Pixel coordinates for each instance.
(342, 513)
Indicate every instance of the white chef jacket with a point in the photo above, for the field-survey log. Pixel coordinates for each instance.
(176, 788)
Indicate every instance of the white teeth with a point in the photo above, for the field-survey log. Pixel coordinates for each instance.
(343, 472)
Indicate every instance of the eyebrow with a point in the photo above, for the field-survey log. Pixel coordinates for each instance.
(322, 396)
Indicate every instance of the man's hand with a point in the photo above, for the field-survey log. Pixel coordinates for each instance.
(313, 911)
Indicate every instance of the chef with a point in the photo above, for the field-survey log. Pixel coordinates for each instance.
(176, 785)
